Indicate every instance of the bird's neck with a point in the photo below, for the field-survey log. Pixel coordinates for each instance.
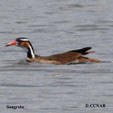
(30, 52)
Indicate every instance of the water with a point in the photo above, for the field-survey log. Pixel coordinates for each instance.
(55, 26)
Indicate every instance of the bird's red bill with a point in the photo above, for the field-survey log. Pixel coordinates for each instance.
(12, 43)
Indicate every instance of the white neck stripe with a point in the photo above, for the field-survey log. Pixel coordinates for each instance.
(32, 53)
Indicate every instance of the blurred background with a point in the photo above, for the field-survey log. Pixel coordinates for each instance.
(55, 26)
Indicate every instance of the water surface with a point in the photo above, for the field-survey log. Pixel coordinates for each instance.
(55, 26)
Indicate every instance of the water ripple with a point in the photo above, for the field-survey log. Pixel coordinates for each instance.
(16, 85)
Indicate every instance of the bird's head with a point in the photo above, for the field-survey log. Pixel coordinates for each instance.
(24, 43)
(21, 42)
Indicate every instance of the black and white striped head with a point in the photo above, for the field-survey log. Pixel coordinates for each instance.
(24, 43)
(21, 42)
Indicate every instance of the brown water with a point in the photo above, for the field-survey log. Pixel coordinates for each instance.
(55, 26)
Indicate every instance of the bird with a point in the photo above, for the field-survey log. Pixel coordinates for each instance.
(69, 57)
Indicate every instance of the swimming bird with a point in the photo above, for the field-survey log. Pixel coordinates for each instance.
(73, 56)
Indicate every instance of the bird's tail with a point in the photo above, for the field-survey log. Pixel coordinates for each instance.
(85, 51)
